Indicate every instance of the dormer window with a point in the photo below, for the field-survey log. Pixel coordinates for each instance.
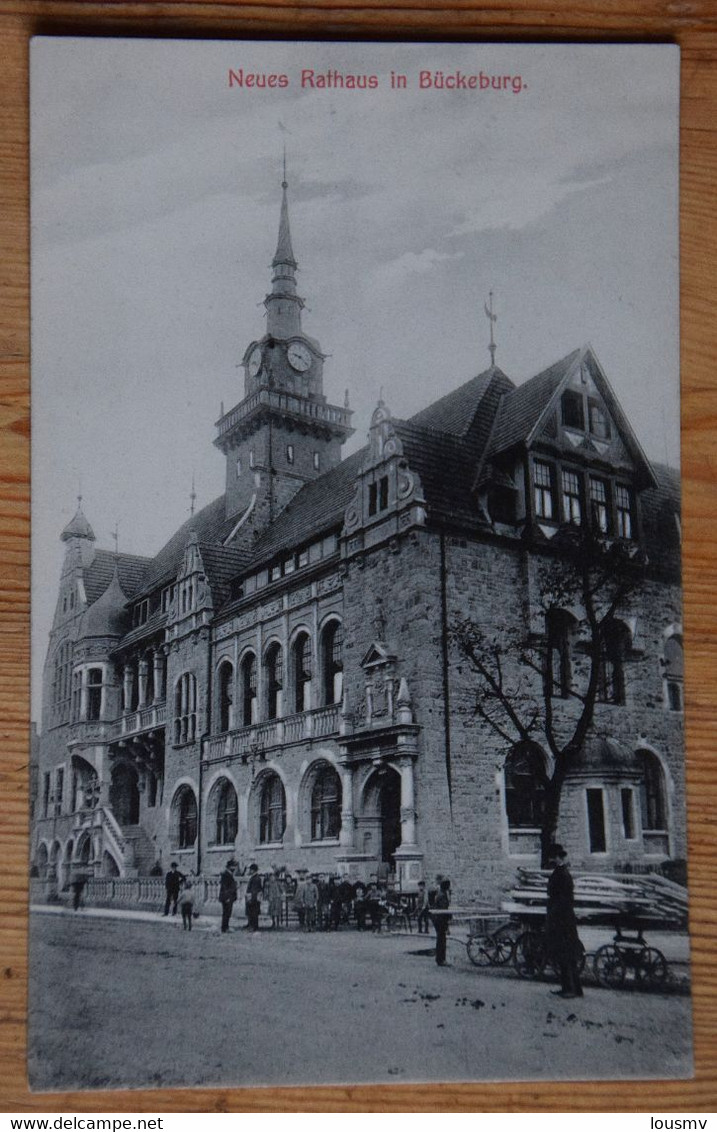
(378, 496)
(141, 612)
(599, 421)
(572, 410)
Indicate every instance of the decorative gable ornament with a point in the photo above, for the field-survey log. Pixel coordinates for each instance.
(383, 443)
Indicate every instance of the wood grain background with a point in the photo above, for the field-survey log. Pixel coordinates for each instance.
(690, 23)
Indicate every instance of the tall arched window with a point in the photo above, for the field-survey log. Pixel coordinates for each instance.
(248, 689)
(227, 813)
(326, 805)
(94, 693)
(225, 690)
(301, 658)
(524, 775)
(614, 650)
(332, 663)
(185, 709)
(560, 626)
(184, 814)
(674, 663)
(653, 800)
(272, 810)
(274, 681)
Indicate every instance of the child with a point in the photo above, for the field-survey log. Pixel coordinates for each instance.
(186, 903)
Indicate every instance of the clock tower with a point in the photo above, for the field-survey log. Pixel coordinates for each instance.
(284, 432)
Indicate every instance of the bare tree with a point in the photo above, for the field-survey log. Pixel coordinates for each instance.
(523, 691)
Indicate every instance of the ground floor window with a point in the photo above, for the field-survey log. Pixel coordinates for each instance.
(596, 820)
(272, 810)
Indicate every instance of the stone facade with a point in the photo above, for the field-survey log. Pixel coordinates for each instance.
(283, 683)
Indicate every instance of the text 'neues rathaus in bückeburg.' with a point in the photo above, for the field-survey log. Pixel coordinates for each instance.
(281, 683)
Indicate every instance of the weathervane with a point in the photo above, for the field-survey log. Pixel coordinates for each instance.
(115, 536)
(491, 319)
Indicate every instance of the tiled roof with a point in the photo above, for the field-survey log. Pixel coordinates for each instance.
(521, 409)
(152, 625)
(317, 507)
(444, 464)
(222, 564)
(211, 526)
(98, 575)
(454, 413)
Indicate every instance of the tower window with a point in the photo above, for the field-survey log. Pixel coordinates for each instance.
(238, 465)
(596, 820)
(251, 457)
(317, 461)
(290, 453)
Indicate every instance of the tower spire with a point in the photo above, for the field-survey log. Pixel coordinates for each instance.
(283, 305)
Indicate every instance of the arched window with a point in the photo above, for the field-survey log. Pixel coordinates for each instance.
(274, 681)
(653, 800)
(184, 813)
(326, 805)
(332, 663)
(227, 817)
(560, 626)
(674, 664)
(185, 709)
(301, 657)
(614, 650)
(272, 810)
(248, 689)
(524, 775)
(225, 688)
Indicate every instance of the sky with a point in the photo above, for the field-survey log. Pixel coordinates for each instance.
(155, 194)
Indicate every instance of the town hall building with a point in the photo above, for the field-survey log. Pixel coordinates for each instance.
(282, 682)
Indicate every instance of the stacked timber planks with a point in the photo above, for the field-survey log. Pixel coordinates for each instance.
(647, 897)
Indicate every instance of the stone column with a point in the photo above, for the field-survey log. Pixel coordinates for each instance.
(408, 810)
(142, 687)
(158, 665)
(127, 687)
(346, 835)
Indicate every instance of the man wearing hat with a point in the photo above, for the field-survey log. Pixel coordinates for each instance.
(253, 899)
(227, 893)
(561, 928)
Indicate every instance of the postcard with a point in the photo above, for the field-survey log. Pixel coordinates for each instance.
(358, 751)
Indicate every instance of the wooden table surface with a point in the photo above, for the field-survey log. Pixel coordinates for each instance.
(690, 23)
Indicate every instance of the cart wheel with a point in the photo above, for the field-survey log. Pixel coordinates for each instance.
(504, 941)
(481, 950)
(608, 966)
(652, 967)
(529, 955)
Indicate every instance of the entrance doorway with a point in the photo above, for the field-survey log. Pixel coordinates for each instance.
(124, 794)
(382, 811)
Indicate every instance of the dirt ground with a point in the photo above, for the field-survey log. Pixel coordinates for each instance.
(117, 1002)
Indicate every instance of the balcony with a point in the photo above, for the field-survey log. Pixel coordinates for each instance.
(259, 737)
(332, 416)
(135, 722)
(86, 732)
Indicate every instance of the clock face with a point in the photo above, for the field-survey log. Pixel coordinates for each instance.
(255, 360)
(299, 356)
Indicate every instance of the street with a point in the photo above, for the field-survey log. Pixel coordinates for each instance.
(121, 1002)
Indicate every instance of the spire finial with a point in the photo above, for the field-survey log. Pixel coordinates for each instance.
(115, 536)
(284, 182)
(491, 319)
(192, 498)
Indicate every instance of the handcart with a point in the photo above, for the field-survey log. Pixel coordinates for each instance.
(489, 935)
(629, 959)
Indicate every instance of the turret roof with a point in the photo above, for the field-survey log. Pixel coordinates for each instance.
(78, 527)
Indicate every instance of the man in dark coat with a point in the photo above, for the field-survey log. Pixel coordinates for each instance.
(227, 893)
(172, 885)
(441, 920)
(561, 928)
(252, 901)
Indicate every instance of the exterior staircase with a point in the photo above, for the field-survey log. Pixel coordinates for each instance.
(140, 853)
